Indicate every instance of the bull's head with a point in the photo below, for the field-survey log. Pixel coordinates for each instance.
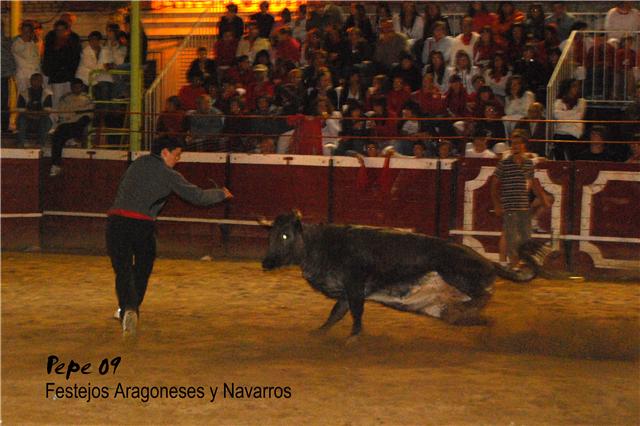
(285, 236)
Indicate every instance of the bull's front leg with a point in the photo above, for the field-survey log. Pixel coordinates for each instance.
(337, 313)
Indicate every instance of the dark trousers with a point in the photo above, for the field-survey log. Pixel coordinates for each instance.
(63, 133)
(131, 244)
(567, 151)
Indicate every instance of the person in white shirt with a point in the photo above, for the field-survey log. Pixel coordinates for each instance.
(569, 106)
(117, 50)
(251, 44)
(95, 57)
(409, 22)
(27, 56)
(622, 19)
(462, 67)
(467, 38)
(440, 41)
(478, 148)
(498, 75)
(517, 102)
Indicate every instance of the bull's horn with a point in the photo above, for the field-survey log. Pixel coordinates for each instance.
(264, 222)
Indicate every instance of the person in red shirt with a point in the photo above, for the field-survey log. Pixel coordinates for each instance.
(241, 73)
(307, 134)
(626, 59)
(507, 16)
(189, 94)
(260, 87)
(288, 48)
(429, 98)
(398, 95)
(481, 16)
(225, 49)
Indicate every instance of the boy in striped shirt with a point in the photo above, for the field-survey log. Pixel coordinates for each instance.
(512, 180)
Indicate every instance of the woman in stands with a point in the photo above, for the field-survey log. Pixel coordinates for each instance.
(568, 106)
(517, 102)
(437, 67)
(485, 48)
(498, 74)
(409, 22)
(463, 68)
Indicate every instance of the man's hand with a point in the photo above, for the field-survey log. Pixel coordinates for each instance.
(227, 194)
(360, 159)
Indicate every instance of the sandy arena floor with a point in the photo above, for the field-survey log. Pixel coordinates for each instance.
(556, 353)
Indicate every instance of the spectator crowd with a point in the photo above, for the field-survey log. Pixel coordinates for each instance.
(337, 78)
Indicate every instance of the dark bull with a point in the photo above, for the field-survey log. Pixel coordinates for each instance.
(408, 272)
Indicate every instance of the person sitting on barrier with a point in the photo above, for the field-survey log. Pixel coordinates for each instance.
(535, 130)
(369, 179)
(597, 150)
(510, 186)
(203, 125)
(34, 105)
(478, 147)
(189, 94)
(74, 116)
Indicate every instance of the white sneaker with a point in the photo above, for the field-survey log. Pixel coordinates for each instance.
(116, 314)
(129, 323)
(55, 170)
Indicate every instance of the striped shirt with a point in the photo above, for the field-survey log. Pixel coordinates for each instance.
(514, 193)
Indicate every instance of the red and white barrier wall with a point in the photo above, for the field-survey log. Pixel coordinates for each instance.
(592, 224)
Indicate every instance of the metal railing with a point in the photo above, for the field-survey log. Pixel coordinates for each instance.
(607, 68)
(173, 76)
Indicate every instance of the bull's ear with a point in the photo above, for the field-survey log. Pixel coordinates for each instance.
(297, 213)
(267, 224)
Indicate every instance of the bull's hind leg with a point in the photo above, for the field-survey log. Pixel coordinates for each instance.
(337, 313)
(466, 313)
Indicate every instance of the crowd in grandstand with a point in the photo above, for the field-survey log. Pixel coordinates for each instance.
(331, 79)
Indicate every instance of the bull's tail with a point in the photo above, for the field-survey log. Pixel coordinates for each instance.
(533, 254)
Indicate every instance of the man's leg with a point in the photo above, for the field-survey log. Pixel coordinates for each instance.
(44, 124)
(511, 237)
(144, 249)
(120, 233)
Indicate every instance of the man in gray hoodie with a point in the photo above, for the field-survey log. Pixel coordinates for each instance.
(130, 234)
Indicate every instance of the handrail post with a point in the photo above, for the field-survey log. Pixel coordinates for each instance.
(136, 78)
